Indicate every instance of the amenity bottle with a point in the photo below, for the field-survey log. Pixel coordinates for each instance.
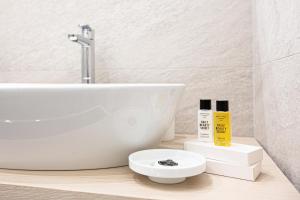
(205, 125)
(222, 124)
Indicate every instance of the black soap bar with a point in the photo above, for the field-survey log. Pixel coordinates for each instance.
(168, 162)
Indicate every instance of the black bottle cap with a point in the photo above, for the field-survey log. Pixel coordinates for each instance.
(222, 105)
(205, 104)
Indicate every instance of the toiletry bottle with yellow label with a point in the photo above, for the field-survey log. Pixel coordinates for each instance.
(222, 124)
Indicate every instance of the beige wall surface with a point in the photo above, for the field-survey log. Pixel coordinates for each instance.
(205, 44)
(277, 82)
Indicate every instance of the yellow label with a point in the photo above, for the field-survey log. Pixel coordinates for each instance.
(222, 129)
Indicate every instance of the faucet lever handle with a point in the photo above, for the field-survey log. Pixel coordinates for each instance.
(85, 27)
(87, 31)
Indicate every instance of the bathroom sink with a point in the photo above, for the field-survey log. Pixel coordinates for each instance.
(81, 126)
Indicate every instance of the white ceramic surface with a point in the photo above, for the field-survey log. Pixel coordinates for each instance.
(170, 133)
(77, 126)
(146, 163)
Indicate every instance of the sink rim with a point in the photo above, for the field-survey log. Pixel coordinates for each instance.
(82, 85)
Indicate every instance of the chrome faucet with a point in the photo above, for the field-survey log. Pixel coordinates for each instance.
(87, 41)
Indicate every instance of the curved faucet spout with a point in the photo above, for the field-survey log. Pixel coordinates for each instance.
(80, 39)
(72, 37)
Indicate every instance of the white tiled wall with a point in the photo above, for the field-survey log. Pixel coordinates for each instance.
(277, 82)
(205, 44)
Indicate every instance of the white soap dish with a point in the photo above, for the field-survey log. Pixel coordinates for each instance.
(168, 166)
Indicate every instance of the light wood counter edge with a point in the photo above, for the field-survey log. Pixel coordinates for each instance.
(16, 192)
(122, 184)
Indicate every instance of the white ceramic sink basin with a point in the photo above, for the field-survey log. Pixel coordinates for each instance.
(79, 126)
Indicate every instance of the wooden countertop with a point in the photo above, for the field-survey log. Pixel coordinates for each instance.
(121, 183)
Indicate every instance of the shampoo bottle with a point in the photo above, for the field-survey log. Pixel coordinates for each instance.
(222, 124)
(205, 126)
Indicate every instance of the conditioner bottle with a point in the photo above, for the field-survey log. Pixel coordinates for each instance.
(205, 126)
(222, 124)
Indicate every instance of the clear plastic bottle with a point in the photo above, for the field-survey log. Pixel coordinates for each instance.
(222, 124)
(205, 126)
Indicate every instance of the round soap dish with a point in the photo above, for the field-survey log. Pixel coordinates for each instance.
(167, 166)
